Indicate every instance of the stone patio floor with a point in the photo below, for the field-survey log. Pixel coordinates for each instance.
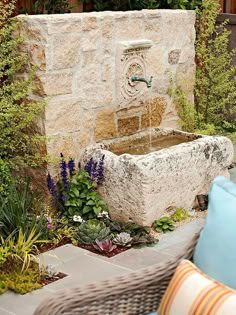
(83, 267)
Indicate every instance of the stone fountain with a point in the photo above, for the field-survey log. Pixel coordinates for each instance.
(139, 185)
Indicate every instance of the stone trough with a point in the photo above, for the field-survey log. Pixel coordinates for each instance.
(149, 171)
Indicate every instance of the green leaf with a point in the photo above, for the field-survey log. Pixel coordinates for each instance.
(97, 210)
(86, 209)
(90, 203)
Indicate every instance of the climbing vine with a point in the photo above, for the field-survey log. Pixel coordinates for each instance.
(19, 136)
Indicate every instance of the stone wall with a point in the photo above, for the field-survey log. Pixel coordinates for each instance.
(85, 63)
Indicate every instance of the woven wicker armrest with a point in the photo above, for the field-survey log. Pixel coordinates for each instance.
(137, 293)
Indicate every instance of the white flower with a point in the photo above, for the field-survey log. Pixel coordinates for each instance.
(77, 218)
(103, 214)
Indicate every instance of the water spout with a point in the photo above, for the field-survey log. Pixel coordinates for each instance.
(148, 82)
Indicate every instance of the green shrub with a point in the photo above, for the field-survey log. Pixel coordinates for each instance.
(51, 7)
(179, 215)
(5, 179)
(215, 90)
(164, 224)
(19, 136)
(123, 5)
(185, 109)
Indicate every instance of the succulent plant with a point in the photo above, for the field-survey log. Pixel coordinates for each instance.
(104, 246)
(164, 224)
(144, 240)
(91, 230)
(180, 214)
(123, 239)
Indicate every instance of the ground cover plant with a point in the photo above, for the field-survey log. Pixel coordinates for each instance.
(82, 217)
(164, 225)
(22, 230)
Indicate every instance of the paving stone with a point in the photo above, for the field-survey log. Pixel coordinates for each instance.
(61, 255)
(135, 259)
(22, 304)
(173, 243)
(4, 312)
(86, 269)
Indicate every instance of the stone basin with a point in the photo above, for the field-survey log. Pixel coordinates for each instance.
(149, 171)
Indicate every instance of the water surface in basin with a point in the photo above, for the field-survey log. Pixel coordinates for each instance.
(144, 146)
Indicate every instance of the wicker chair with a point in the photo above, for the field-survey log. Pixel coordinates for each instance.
(137, 293)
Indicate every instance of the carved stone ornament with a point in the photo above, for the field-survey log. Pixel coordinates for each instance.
(132, 61)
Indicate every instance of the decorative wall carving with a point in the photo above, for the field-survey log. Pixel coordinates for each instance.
(132, 59)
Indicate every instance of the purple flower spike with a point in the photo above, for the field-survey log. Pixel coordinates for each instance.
(64, 175)
(89, 167)
(95, 169)
(100, 170)
(71, 166)
(52, 188)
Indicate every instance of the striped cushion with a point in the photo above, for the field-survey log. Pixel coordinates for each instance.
(191, 292)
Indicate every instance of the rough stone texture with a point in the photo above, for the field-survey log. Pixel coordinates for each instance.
(105, 125)
(154, 110)
(173, 57)
(129, 125)
(79, 74)
(54, 84)
(141, 187)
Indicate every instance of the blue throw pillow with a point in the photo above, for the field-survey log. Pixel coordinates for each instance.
(215, 253)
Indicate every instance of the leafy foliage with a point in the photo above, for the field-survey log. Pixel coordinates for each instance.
(92, 230)
(18, 211)
(185, 109)
(19, 248)
(51, 7)
(75, 193)
(215, 91)
(123, 5)
(20, 281)
(133, 229)
(19, 137)
(180, 215)
(82, 199)
(104, 246)
(140, 234)
(5, 179)
(144, 240)
(164, 224)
